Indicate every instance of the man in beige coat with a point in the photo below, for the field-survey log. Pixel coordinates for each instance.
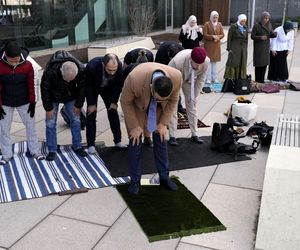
(193, 65)
(147, 84)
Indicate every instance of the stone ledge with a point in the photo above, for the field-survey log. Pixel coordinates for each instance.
(119, 47)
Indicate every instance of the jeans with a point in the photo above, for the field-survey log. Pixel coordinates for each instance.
(211, 73)
(51, 136)
(160, 151)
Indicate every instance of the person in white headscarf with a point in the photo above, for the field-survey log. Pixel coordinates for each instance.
(237, 43)
(212, 34)
(190, 34)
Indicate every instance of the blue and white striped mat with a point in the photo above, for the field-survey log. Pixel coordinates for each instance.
(25, 177)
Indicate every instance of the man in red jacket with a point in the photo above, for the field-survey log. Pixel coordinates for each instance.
(17, 91)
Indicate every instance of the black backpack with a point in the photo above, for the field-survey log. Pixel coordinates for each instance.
(222, 137)
(263, 131)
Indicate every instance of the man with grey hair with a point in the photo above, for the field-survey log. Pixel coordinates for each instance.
(63, 82)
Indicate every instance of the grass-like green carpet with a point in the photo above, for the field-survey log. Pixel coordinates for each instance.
(164, 214)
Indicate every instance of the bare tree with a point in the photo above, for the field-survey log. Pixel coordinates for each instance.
(141, 19)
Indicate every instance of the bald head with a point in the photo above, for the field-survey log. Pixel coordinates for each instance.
(69, 71)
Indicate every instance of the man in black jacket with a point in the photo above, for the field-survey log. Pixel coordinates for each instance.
(63, 82)
(104, 77)
(17, 92)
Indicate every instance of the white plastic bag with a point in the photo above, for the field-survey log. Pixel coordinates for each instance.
(244, 110)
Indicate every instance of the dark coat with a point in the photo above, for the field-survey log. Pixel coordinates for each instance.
(187, 42)
(261, 51)
(162, 54)
(16, 83)
(237, 43)
(55, 89)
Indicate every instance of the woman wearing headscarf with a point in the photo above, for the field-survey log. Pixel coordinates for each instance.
(213, 33)
(190, 34)
(280, 47)
(237, 42)
(261, 34)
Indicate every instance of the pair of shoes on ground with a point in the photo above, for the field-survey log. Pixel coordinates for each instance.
(173, 142)
(79, 151)
(134, 187)
(36, 156)
(237, 121)
(148, 142)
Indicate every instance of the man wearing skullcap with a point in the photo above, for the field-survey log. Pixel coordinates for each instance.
(193, 65)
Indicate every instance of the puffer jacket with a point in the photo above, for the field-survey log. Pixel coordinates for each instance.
(16, 82)
(55, 89)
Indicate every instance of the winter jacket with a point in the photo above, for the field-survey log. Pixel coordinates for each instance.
(55, 89)
(16, 82)
(189, 43)
(261, 51)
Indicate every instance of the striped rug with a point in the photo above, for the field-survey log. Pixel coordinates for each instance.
(24, 177)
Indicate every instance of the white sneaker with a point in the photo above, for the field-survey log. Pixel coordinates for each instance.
(92, 150)
(120, 145)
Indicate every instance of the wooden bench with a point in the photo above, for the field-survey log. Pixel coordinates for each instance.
(279, 217)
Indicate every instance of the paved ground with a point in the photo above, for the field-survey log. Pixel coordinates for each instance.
(100, 218)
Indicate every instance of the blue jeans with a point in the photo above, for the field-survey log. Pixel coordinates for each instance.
(74, 126)
(160, 151)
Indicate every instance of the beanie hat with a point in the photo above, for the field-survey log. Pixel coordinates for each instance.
(198, 55)
(12, 49)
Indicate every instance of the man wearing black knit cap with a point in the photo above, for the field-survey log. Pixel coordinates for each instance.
(193, 65)
(17, 91)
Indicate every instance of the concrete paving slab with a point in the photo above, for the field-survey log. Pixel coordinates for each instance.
(268, 115)
(237, 209)
(196, 180)
(213, 117)
(104, 205)
(245, 174)
(292, 96)
(61, 234)
(292, 108)
(274, 101)
(126, 234)
(185, 246)
(17, 218)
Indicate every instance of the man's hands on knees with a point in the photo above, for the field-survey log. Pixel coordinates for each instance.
(49, 114)
(91, 109)
(77, 111)
(135, 135)
(113, 106)
(162, 130)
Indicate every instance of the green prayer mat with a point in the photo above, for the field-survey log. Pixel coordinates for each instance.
(164, 214)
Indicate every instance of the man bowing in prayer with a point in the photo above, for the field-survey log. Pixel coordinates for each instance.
(149, 96)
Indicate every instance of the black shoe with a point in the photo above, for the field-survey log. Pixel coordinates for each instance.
(172, 141)
(196, 139)
(234, 122)
(167, 183)
(134, 188)
(148, 142)
(242, 120)
(265, 125)
(51, 156)
(80, 152)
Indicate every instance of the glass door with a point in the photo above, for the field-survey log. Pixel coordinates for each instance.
(169, 15)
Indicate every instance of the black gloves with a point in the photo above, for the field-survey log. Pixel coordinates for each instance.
(31, 109)
(2, 113)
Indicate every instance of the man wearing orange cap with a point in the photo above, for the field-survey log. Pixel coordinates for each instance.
(193, 65)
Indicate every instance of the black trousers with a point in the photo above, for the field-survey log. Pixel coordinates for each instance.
(278, 70)
(113, 118)
(260, 74)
